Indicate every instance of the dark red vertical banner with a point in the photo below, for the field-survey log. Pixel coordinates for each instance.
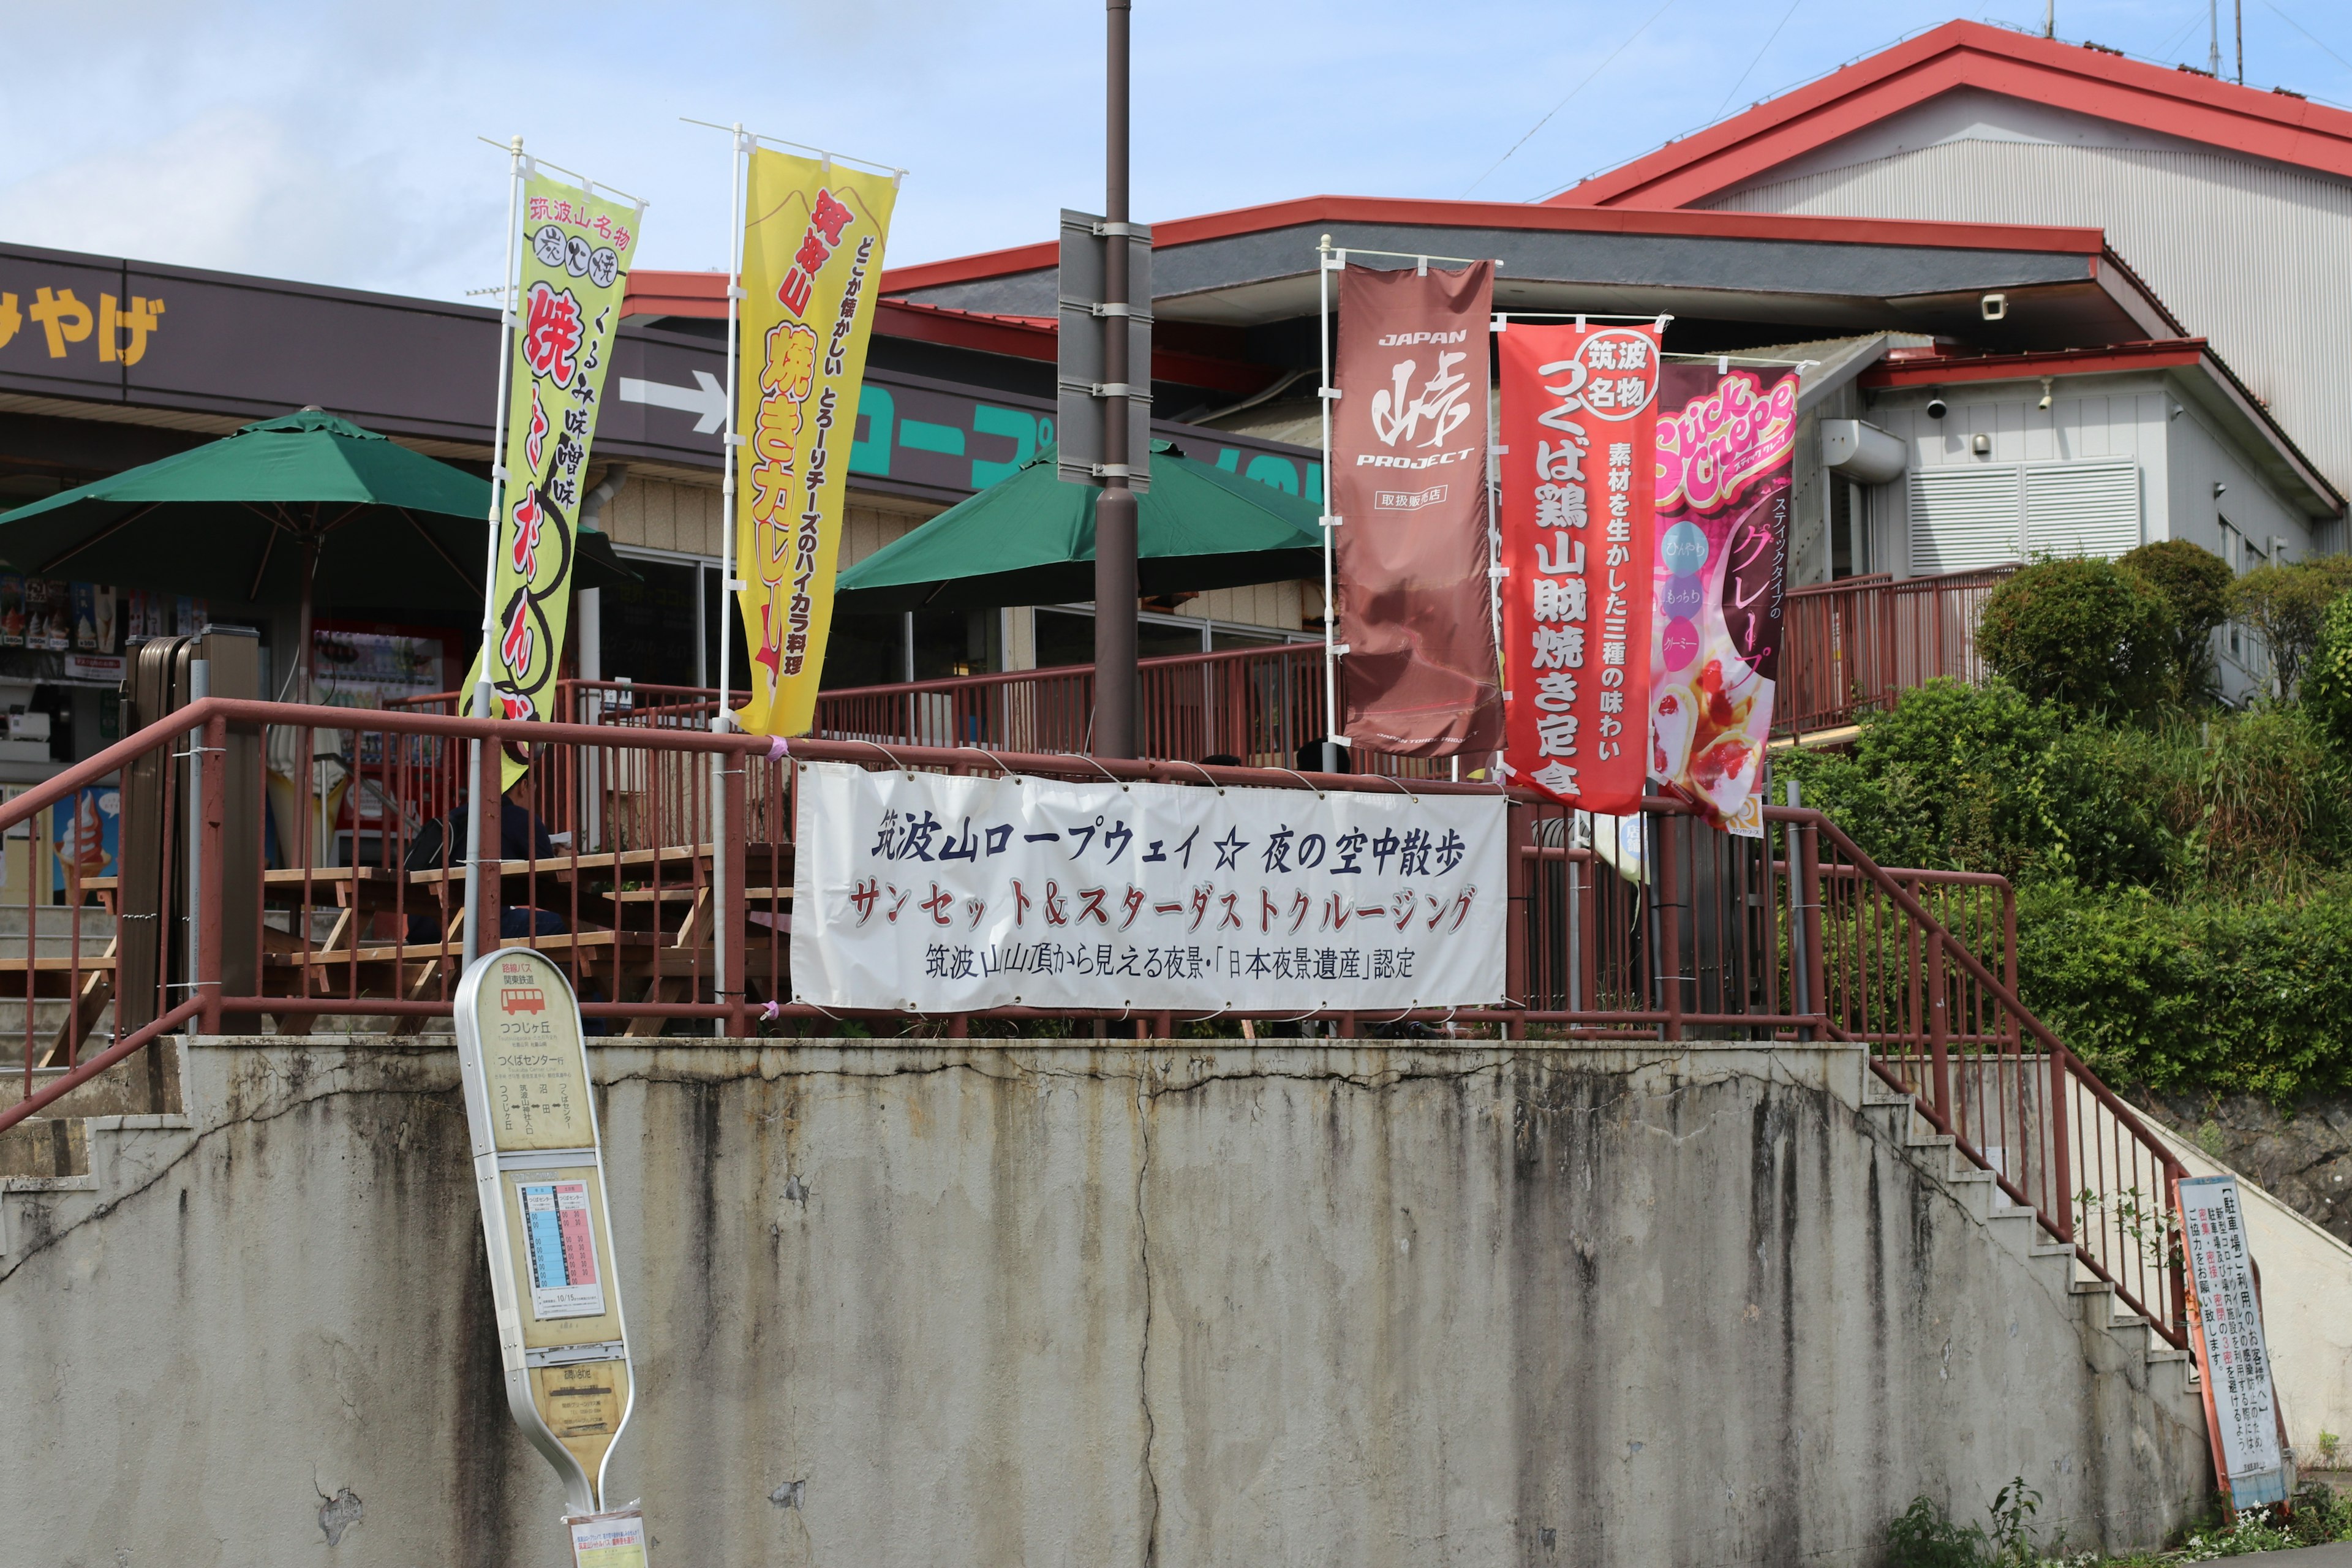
(1578, 490)
(1408, 482)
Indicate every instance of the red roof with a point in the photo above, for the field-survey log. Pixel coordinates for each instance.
(1307, 210)
(2079, 77)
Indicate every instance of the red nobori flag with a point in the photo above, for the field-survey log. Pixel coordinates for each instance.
(1409, 440)
(1578, 491)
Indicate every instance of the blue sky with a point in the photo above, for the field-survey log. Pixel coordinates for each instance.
(336, 143)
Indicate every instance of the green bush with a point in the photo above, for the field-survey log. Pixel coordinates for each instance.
(2194, 584)
(2252, 998)
(2327, 684)
(2286, 605)
(1970, 778)
(2084, 633)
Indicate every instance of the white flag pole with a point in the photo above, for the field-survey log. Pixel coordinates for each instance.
(482, 692)
(723, 979)
(738, 151)
(1324, 394)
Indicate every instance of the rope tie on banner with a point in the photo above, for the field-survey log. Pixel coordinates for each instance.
(893, 761)
(779, 749)
(1102, 770)
(1002, 770)
(1213, 783)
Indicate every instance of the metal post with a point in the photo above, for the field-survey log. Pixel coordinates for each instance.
(1800, 1002)
(482, 694)
(205, 903)
(728, 861)
(199, 844)
(1939, 1056)
(1670, 950)
(1115, 509)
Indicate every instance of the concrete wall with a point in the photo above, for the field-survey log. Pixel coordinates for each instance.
(972, 1303)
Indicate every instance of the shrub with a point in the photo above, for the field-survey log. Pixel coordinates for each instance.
(1971, 778)
(2327, 684)
(2194, 584)
(2285, 605)
(2252, 998)
(2083, 632)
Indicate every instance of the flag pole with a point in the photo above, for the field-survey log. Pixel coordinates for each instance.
(482, 693)
(737, 150)
(1323, 397)
(723, 982)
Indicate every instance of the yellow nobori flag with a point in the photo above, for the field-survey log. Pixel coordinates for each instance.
(576, 269)
(811, 261)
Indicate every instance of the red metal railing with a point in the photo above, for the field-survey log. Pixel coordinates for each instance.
(665, 890)
(1856, 647)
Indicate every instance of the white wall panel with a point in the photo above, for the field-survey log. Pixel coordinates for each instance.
(2185, 220)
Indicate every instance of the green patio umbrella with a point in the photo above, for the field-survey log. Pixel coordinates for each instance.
(281, 510)
(1029, 538)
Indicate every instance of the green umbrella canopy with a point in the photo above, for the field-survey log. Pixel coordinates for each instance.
(1029, 538)
(231, 519)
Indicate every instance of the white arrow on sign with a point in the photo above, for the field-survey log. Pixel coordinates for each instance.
(706, 398)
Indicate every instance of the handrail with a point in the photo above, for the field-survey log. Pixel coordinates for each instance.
(1956, 1007)
(121, 1049)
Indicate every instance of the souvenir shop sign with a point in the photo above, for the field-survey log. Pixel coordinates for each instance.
(813, 239)
(577, 251)
(1408, 439)
(1725, 439)
(1579, 451)
(2226, 1316)
(933, 894)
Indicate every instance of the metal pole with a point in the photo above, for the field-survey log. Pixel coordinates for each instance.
(723, 801)
(2213, 38)
(1792, 838)
(1115, 511)
(482, 695)
(1324, 394)
(2239, 9)
(201, 934)
(2048, 18)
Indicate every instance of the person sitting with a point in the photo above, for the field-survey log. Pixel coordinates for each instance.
(521, 836)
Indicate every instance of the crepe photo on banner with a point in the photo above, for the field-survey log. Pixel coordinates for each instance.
(1409, 438)
(1724, 442)
(1577, 434)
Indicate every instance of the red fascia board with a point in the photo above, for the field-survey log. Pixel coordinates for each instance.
(1017, 337)
(1415, 212)
(1970, 54)
(703, 294)
(651, 293)
(1943, 370)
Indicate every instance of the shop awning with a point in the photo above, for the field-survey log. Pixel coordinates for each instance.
(1030, 540)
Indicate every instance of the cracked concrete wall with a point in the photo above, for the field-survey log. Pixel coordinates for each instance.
(1186, 1304)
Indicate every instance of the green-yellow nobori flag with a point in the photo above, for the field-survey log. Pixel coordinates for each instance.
(576, 252)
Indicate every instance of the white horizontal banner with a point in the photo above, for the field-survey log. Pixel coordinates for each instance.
(937, 894)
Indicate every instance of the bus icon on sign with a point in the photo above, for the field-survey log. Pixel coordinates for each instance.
(522, 999)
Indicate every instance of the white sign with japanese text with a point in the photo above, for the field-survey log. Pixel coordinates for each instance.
(935, 894)
(2237, 1363)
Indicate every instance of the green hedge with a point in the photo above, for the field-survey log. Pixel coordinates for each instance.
(2251, 998)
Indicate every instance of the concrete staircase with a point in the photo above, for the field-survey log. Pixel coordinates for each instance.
(2165, 1373)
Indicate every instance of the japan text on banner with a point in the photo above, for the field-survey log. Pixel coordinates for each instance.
(1724, 443)
(1409, 438)
(576, 253)
(1578, 435)
(2226, 1316)
(922, 892)
(813, 239)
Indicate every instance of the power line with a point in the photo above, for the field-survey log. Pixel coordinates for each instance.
(1563, 103)
(1757, 60)
(2299, 27)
